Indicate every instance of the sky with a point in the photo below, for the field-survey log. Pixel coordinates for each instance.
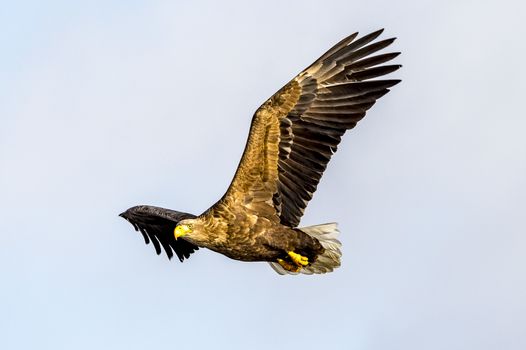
(108, 104)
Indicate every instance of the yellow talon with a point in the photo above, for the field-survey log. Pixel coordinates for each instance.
(300, 260)
(289, 267)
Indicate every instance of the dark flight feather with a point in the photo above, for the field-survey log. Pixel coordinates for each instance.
(157, 226)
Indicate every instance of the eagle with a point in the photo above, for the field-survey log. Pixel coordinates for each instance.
(292, 138)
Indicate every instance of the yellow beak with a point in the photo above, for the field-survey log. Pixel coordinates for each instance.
(181, 230)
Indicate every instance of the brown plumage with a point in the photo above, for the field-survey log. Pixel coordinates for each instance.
(292, 138)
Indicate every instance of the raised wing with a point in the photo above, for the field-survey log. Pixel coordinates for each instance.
(157, 226)
(294, 134)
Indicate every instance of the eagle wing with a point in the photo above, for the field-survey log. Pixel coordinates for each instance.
(157, 226)
(294, 133)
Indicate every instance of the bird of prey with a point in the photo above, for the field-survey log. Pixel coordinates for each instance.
(291, 140)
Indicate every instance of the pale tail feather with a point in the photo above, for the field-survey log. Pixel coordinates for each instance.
(327, 235)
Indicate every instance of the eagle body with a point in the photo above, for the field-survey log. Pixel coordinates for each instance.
(253, 239)
(292, 138)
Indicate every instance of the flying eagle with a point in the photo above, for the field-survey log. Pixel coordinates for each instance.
(291, 140)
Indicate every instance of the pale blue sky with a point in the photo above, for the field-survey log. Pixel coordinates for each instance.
(108, 104)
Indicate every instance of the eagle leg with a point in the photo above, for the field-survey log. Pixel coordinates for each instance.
(299, 259)
(288, 266)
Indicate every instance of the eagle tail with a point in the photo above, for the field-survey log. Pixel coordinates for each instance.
(327, 235)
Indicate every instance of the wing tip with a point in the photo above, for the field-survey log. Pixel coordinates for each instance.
(378, 31)
(375, 34)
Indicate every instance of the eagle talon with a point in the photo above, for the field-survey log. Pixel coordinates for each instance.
(288, 266)
(299, 259)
